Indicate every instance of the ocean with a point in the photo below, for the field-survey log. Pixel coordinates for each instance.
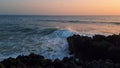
(46, 35)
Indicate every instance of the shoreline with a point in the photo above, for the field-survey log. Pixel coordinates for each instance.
(89, 52)
(38, 61)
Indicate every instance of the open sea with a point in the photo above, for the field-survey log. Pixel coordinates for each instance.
(46, 35)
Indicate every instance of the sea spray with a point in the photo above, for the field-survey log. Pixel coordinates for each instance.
(21, 35)
(50, 42)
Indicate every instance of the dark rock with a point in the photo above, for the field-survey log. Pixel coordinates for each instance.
(58, 64)
(96, 47)
(37, 61)
(89, 52)
(1, 65)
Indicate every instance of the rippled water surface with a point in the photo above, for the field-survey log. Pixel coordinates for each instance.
(46, 35)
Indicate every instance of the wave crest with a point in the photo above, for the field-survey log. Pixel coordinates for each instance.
(50, 42)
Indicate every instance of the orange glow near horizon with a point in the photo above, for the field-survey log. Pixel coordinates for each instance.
(62, 7)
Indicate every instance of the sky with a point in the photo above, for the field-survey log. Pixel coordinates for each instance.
(60, 7)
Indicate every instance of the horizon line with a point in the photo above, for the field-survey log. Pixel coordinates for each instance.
(52, 15)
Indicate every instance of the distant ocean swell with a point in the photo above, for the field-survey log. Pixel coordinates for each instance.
(78, 21)
(60, 19)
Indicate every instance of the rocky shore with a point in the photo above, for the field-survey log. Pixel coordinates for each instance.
(89, 52)
(96, 47)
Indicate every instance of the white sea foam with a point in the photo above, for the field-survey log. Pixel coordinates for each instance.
(51, 46)
(56, 45)
(50, 42)
(21, 35)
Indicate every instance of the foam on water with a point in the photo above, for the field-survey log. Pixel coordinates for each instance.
(50, 43)
(56, 45)
(46, 35)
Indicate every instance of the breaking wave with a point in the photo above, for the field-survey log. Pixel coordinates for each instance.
(46, 35)
(50, 42)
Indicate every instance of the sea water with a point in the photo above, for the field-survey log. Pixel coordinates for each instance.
(46, 35)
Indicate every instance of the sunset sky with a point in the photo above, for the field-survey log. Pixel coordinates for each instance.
(60, 7)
